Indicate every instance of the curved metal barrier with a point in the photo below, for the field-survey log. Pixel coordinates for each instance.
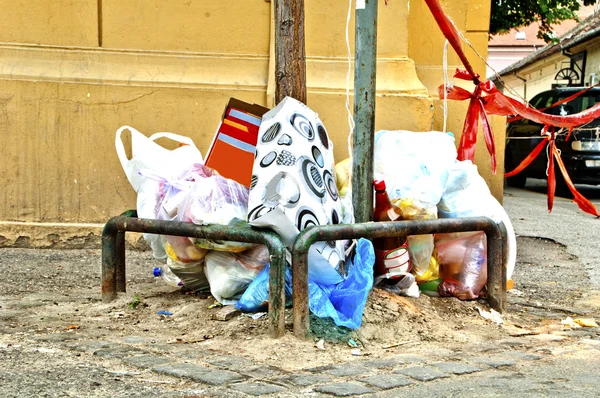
(113, 255)
(496, 240)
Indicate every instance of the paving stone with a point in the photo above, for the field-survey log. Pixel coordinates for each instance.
(422, 374)
(230, 362)
(523, 356)
(119, 352)
(217, 377)
(257, 389)
(147, 361)
(89, 346)
(57, 337)
(263, 371)
(180, 369)
(493, 362)
(138, 340)
(387, 381)
(380, 363)
(343, 370)
(304, 380)
(343, 389)
(457, 368)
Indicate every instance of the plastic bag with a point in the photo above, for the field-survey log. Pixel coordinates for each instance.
(191, 274)
(463, 264)
(256, 296)
(293, 185)
(467, 195)
(414, 165)
(420, 247)
(150, 159)
(186, 261)
(229, 274)
(407, 286)
(212, 199)
(344, 302)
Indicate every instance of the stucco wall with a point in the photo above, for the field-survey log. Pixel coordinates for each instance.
(73, 71)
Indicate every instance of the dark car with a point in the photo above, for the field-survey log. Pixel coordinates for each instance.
(580, 154)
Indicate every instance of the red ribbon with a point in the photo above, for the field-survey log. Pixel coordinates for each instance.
(496, 103)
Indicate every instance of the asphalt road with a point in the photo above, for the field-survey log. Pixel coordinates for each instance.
(566, 224)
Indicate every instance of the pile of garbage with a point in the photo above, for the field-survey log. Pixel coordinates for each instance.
(275, 169)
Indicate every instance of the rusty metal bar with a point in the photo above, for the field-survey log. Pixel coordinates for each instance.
(494, 234)
(113, 255)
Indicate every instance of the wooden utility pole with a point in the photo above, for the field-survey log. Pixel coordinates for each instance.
(290, 57)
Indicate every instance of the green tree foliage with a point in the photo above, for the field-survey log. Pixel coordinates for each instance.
(509, 14)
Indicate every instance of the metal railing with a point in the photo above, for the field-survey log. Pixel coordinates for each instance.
(496, 249)
(113, 255)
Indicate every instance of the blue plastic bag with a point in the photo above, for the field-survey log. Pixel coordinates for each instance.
(256, 296)
(344, 302)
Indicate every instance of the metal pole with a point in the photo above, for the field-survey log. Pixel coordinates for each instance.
(290, 58)
(365, 66)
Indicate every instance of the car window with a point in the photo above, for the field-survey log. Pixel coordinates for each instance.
(576, 105)
(542, 100)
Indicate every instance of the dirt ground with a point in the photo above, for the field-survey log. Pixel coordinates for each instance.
(51, 291)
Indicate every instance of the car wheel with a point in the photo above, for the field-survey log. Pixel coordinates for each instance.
(517, 181)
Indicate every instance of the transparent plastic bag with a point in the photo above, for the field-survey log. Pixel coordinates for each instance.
(420, 247)
(467, 195)
(463, 264)
(212, 199)
(186, 261)
(229, 274)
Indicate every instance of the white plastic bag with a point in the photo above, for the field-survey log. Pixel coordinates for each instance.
(229, 274)
(293, 185)
(467, 195)
(151, 162)
(414, 164)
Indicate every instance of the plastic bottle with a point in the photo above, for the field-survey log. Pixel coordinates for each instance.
(392, 260)
(167, 275)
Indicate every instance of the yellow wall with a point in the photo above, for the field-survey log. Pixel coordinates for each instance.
(73, 71)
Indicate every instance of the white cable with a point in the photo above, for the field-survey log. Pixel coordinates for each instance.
(445, 86)
(350, 117)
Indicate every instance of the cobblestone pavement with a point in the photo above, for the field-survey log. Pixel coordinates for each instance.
(137, 366)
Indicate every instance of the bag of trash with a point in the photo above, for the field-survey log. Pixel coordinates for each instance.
(186, 261)
(153, 159)
(229, 274)
(293, 185)
(415, 164)
(344, 302)
(467, 195)
(211, 199)
(415, 167)
(463, 264)
(420, 247)
(256, 296)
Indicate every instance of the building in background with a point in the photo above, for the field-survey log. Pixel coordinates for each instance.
(573, 61)
(507, 49)
(72, 72)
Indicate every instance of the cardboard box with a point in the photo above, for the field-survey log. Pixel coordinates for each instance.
(232, 150)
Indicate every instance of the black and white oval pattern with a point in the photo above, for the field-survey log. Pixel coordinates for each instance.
(268, 159)
(271, 132)
(303, 126)
(311, 176)
(330, 185)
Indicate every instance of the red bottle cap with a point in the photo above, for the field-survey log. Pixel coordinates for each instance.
(379, 185)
